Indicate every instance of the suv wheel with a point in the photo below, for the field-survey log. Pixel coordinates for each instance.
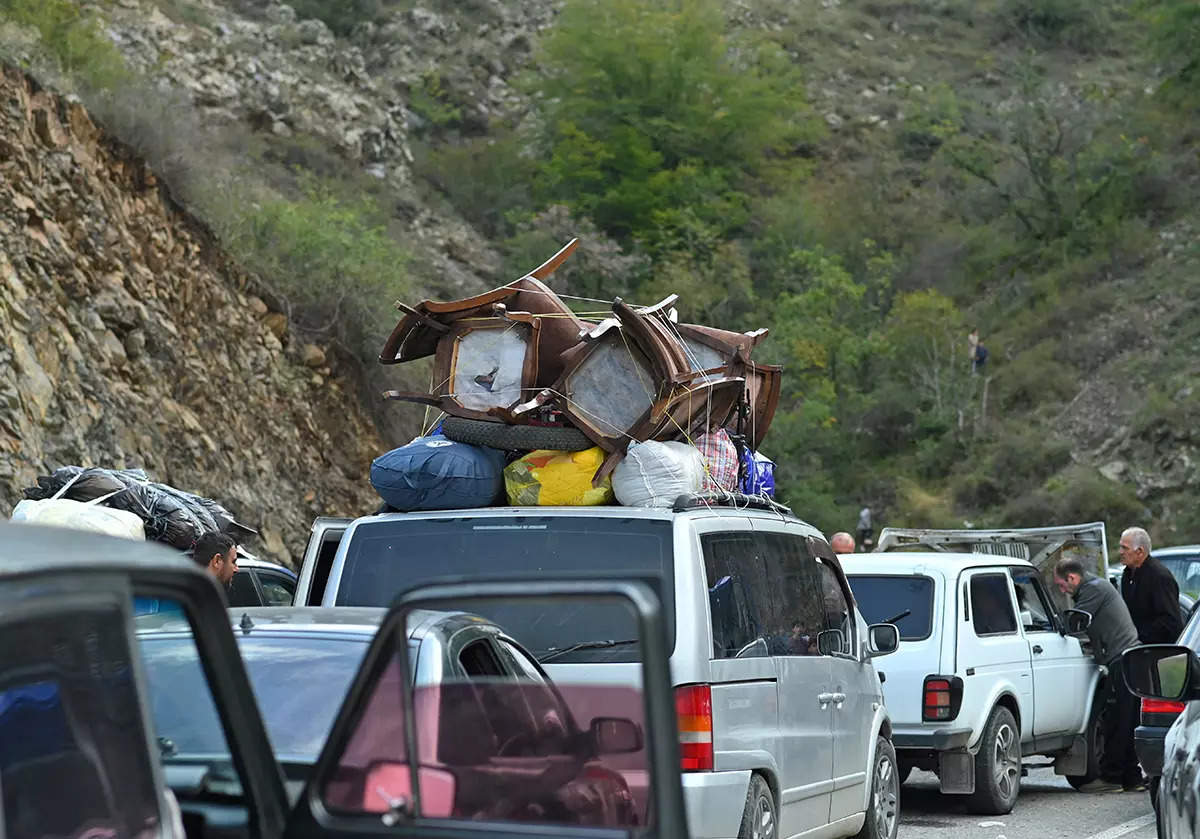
(759, 819)
(997, 765)
(1095, 742)
(883, 807)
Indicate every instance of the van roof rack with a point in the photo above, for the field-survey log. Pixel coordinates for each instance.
(693, 501)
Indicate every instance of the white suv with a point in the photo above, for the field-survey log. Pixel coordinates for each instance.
(988, 671)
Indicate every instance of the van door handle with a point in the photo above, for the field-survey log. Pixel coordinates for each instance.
(839, 698)
(825, 698)
(1037, 649)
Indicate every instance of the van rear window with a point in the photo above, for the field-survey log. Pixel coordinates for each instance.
(884, 599)
(386, 557)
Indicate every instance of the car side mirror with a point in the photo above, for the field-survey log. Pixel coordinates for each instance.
(387, 790)
(831, 642)
(1160, 671)
(615, 736)
(882, 639)
(1077, 620)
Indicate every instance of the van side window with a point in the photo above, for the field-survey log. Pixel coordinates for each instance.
(835, 610)
(991, 605)
(764, 593)
(731, 564)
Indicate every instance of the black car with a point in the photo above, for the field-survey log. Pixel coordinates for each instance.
(1157, 717)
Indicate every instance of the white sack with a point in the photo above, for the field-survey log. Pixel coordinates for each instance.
(79, 515)
(654, 474)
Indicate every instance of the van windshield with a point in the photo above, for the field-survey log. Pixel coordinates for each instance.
(887, 599)
(389, 556)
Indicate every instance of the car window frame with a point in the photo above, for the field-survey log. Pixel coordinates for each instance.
(933, 593)
(980, 573)
(312, 820)
(272, 574)
(1043, 594)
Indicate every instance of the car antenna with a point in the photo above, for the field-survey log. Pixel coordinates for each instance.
(246, 624)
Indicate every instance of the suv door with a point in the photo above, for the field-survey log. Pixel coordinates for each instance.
(991, 647)
(323, 540)
(789, 590)
(1061, 672)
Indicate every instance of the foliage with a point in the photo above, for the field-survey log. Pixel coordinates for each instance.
(1174, 38)
(73, 38)
(1081, 24)
(487, 179)
(329, 257)
(1058, 173)
(340, 16)
(656, 117)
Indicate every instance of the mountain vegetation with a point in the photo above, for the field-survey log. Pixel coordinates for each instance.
(870, 179)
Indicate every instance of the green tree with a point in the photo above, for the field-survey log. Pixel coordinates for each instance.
(1175, 40)
(657, 118)
(925, 342)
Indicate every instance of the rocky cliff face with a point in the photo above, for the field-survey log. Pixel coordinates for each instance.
(128, 340)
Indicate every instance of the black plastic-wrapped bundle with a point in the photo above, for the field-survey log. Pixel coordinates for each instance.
(170, 515)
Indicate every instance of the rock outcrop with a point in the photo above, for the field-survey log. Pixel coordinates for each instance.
(127, 339)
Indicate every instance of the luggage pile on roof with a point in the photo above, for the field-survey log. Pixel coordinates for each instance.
(125, 502)
(517, 370)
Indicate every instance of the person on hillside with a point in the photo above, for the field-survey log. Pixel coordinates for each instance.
(865, 531)
(1111, 633)
(217, 553)
(972, 344)
(842, 543)
(1149, 590)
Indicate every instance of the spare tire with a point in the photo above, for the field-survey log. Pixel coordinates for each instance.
(515, 438)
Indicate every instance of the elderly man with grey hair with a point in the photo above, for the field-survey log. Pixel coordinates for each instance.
(1149, 590)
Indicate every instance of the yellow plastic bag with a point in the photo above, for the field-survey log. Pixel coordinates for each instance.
(557, 479)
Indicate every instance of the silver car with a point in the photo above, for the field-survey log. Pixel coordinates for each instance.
(782, 728)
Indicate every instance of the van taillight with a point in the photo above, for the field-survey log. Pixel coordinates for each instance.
(942, 698)
(1159, 706)
(693, 708)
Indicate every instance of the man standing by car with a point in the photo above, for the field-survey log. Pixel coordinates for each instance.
(1111, 633)
(1149, 590)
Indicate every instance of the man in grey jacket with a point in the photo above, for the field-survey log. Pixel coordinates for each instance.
(1111, 632)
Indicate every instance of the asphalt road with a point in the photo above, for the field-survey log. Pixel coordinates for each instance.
(1047, 808)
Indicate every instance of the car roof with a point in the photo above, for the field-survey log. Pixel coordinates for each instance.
(361, 621)
(923, 562)
(248, 561)
(1175, 549)
(32, 548)
(602, 511)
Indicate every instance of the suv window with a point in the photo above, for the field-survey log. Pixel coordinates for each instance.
(991, 605)
(1033, 606)
(881, 598)
(277, 589)
(242, 591)
(69, 712)
(389, 556)
(765, 594)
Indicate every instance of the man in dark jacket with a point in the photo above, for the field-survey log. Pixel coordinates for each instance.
(1149, 590)
(1111, 632)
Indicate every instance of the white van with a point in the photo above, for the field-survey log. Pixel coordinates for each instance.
(782, 727)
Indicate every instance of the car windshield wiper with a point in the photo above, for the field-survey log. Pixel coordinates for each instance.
(900, 616)
(584, 645)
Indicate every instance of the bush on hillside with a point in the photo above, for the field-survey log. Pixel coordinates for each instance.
(341, 16)
(1079, 24)
(72, 38)
(330, 258)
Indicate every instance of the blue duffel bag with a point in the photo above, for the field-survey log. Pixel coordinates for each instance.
(433, 473)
